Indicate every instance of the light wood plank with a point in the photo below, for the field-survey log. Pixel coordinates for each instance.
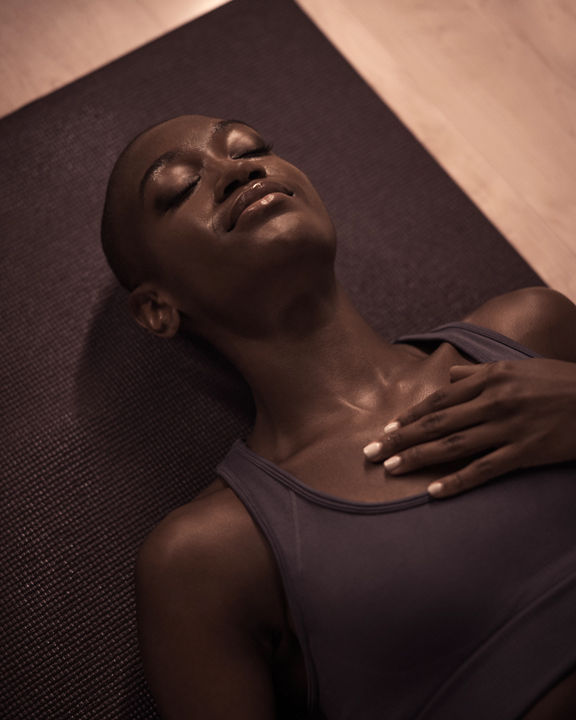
(45, 44)
(496, 113)
(488, 87)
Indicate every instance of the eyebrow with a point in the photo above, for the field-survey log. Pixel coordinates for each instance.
(171, 155)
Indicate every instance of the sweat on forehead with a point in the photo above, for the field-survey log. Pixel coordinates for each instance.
(120, 226)
(194, 128)
(167, 141)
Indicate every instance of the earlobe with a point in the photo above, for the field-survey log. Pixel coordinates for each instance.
(154, 311)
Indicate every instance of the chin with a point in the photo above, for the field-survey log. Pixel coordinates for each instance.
(291, 230)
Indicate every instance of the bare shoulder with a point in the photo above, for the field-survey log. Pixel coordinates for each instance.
(212, 539)
(209, 611)
(195, 525)
(538, 317)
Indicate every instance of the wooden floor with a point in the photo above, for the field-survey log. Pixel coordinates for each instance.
(488, 86)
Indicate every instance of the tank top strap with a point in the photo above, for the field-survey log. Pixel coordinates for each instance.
(251, 481)
(478, 343)
(275, 509)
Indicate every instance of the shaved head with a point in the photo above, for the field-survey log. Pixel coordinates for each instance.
(120, 226)
(202, 221)
(121, 229)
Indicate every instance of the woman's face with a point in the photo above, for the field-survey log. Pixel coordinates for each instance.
(225, 220)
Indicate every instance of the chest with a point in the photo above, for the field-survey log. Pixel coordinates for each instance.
(416, 591)
(335, 463)
(338, 467)
(395, 586)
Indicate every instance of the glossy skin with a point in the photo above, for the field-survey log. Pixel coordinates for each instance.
(215, 633)
(202, 266)
(512, 414)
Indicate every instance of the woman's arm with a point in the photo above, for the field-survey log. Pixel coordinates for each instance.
(505, 415)
(199, 621)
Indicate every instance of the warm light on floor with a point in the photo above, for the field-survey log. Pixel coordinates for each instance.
(487, 87)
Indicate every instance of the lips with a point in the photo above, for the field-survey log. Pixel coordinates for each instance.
(253, 192)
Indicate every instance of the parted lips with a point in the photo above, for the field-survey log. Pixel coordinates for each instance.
(249, 194)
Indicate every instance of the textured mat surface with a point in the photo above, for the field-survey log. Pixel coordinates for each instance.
(106, 429)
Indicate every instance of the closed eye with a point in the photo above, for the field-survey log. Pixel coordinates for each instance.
(262, 150)
(178, 199)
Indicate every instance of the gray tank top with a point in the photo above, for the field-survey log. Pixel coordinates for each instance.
(424, 609)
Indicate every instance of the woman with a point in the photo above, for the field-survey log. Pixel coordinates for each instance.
(308, 578)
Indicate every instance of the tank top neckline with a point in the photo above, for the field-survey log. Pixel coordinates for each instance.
(241, 449)
(435, 334)
(322, 498)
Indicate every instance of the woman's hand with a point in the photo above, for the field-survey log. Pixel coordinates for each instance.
(502, 416)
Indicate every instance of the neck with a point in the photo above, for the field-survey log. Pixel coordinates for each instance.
(323, 366)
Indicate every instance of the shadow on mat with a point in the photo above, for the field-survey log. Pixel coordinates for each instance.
(163, 404)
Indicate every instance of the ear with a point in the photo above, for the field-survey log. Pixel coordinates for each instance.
(154, 310)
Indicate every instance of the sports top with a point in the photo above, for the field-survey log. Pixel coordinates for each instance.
(420, 608)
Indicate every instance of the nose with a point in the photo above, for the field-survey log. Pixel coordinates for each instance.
(235, 173)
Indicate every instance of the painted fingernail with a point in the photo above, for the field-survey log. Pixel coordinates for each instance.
(435, 488)
(393, 462)
(371, 451)
(392, 427)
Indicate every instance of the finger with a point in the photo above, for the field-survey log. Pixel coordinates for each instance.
(459, 372)
(456, 446)
(478, 472)
(444, 397)
(427, 420)
(430, 427)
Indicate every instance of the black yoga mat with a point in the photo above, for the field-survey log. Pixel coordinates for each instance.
(106, 429)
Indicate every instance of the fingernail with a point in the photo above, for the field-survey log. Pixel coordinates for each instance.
(371, 451)
(392, 427)
(435, 488)
(393, 462)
